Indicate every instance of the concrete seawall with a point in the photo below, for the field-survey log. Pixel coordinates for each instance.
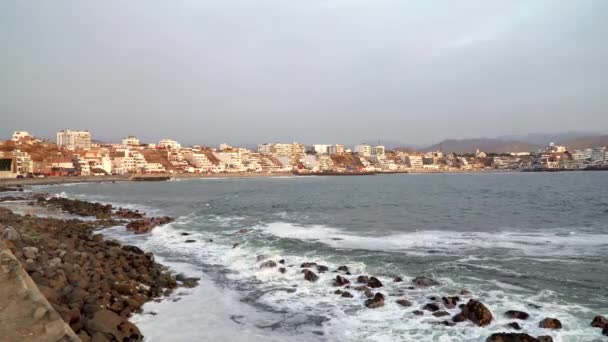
(25, 315)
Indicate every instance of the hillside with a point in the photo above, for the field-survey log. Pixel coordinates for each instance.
(587, 142)
(483, 144)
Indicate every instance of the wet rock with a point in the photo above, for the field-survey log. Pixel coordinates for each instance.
(450, 302)
(147, 224)
(185, 234)
(441, 313)
(310, 276)
(418, 312)
(476, 312)
(550, 323)
(374, 283)
(424, 281)
(341, 281)
(282, 261)
(600, 322)
(10, 233)
(343, 269)
(368, 293)
(190, 282)
(516, 337)
(308, 264)
(465, 292)
(322, 268)
(268, 264)
(431, 307)
(514, 314)
(446, 323)
(261, 257)
(363, 279)
(192, 241)
(107, 323)
(404, 302)
(375, 302)
(514, 325)
(397, 279)
(605, 332)
(338, 292)
(347, 294)
(282, 269)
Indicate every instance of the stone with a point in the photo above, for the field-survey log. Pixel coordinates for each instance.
(404, 302)
(192, 241)
(397, 279)
(441, 313)
(10, 233)
(30, 252)
(347, 294)
(308, 264)
(55, 262)
(374, 282)
(550, 323)
(363, 279)
(282, 269)
(514, 337)
(418, 312)
(431, 307)
(341, 281)
(322, 268)
(599, 322)
(514, 314)
(375, 302)
(190, 282)
(450, 302)
(310, 276)
(268, 264)
(423, 281)
(476, 312)
(343, 269)
(338, 292)
(109, 323)
(514, 325)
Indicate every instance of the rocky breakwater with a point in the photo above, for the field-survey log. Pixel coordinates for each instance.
(93, 284)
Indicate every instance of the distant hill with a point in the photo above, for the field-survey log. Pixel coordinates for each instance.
(483, 144)
(543, 139)
(587, 142)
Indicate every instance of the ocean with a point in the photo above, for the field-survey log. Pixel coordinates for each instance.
(535, 242)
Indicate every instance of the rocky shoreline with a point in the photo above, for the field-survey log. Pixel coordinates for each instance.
(94, 284)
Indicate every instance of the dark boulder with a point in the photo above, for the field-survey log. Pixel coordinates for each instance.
(363, 279)
(514, 314)
(322, 268)
(191, 241)
(132, 249)
(431, 307)
(343, 269)
(341, 281)
(441, 313)
(600, 322)
(112, 325)
(450, 302)
(347, 294)
(397, 279)
(282, 269)
(418, 312)
(516, 337)
(404, 302)
(423, 281)
(268, 264)
(375, 302)
(308, 264)
(310, 276)
(476, 312)
(550, 323)
(514, 325)
(374, 283)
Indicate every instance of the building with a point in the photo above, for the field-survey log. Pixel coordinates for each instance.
(199, 161)
(378, 150)
(7, 165)
(24, 165)
(318, 149)
(282, 150)
(556, 148)
(18, 135)
(364, 150)
(335, 149)
(414, 162)
(73, 140)
(130, 141)
(224, 147)
(169, 144)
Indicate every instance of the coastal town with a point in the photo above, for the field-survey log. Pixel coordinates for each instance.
(75, 153)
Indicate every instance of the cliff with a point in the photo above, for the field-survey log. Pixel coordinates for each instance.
(25, 313)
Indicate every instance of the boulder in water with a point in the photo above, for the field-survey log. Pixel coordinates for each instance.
(363, 279)
(347, 294)
(424, 281)
(476, 312)
(514, 325)
(450, 302)
(268, 264)
(550, 323)
(404, 302)
(341, 281)
(516, 337)
(517, 314)
(600, 322)
(374, 282)
(441, 313)
(431, 307)
(375, 302)
(310, 276)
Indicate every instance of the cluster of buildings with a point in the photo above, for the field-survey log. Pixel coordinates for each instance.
(74, 153)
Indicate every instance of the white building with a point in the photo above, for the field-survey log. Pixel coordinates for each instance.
(556, 148)
(20, 134)
(378, 150)
(170, 144)
(199, 161)
(73, 140)
(225, 146)
(582, 155)
(415, 162)
(130, 141)
(598, 155)
(318, 148)
(364, 150)
(24, 164)
(335, 149)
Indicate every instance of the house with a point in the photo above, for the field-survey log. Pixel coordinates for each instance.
(73, 140)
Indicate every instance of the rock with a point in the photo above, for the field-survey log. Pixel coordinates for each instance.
(465, 292)
(441, 313)
(190, 282)
(343, 269)
(363, 279)
(446, 323)
(476, 312)
(515, 337)
(423, 281)
(145, 225)
(308, 264)
(550, 323)
(375, 302)
(10, 233)
(322, 268)
(600, 322)
(310, 276)
(368, 293)
(418, 312)
(514, 314)
(132, 249)
(338, 292)
(605, 332)
(397, 279)
(431, 307)
(268, 264)
(192, 241)
(30, 252)
(450, 302)
(261, 257)
(341, 281)
(404, 302)
(282, 261)
(108, 323)
(514, 325)
(374, 282)
(347, 294)
(185, 234)
(55, 262)
(282, 269)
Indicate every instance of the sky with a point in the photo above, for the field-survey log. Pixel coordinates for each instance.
(313, 71)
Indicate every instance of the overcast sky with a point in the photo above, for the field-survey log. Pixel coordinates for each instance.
(323, 71)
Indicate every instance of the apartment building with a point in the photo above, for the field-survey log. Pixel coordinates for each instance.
(335, 149)
(130, 141)
(598, 154)
(199, 161)
(364, 150)
(169, 144)
(18, 135)
(378, 150)
(414, 162)
(73, 140)
(23, 163)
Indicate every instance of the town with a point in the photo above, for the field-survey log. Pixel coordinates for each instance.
(74, 153)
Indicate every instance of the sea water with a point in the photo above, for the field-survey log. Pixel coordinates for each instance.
(517, 241)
